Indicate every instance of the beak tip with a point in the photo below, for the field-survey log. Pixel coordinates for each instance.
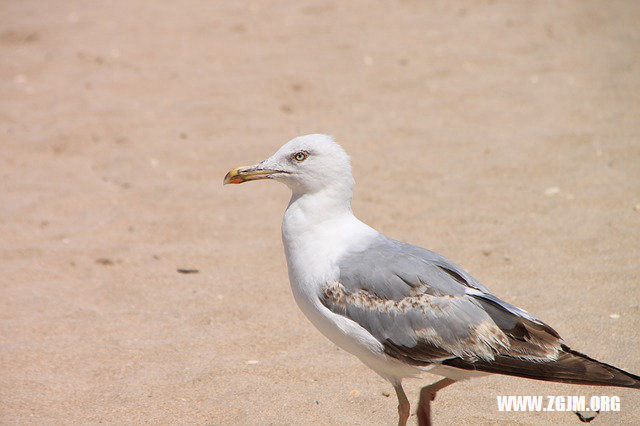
(232, 177)
(232, 180)
(246, 174)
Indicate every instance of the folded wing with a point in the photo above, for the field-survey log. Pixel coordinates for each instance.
(425, 309)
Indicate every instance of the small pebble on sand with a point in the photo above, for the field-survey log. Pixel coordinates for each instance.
(551, 191)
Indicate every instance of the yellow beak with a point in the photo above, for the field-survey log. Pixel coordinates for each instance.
(247, 173)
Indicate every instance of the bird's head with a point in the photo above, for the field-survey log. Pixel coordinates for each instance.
(306, 164)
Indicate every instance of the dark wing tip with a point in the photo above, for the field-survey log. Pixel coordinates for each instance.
(617, 376)
(570, 367)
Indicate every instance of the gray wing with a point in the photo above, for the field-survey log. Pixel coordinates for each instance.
(425, 309)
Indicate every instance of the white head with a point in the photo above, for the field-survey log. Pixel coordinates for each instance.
(306, 164)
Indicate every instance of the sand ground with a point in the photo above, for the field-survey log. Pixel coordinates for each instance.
(502, 134)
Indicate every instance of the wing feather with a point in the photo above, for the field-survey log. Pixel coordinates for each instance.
(426, 309)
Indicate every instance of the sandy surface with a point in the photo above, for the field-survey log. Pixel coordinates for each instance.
(504, 135)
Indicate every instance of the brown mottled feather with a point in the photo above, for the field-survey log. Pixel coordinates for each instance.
(426, 310)
(520, 347)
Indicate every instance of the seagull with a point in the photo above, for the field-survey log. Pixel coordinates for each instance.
(401, 309)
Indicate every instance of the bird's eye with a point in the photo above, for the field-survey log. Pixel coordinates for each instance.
(300, 156)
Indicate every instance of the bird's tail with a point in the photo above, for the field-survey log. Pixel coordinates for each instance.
(570, 367)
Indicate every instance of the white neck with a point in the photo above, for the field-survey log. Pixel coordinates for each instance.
(317, 229)
(317, 207)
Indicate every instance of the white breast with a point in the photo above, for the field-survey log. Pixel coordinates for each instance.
(313, 244)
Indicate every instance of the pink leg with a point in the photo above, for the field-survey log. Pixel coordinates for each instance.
(403, 405)
(428, 394)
